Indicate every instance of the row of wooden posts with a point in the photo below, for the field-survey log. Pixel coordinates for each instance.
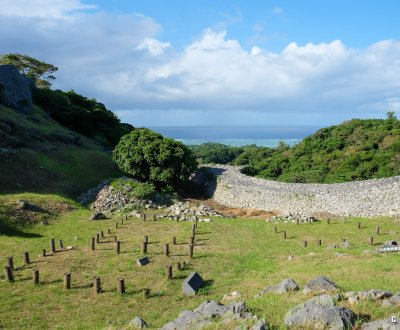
(9, 269)
(319, 241)
(9, 274)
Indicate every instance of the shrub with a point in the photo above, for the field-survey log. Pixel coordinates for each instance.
(149, 157)
(133, 188)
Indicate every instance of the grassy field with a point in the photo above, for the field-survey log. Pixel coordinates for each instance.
(231, 254)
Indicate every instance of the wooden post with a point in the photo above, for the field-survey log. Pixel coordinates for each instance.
(276, 230)
(168, 272)
(174, 240)
(343, 240)
(116, 225)
(10, 262)
(102, 234)
(121, 286)
(166, 250)
(60, 244)
(378, 230)
(35, 276)
(108, 231)
(144, 216)
(154, 217)
(118, 247)
(146, 293)
(67, 280)
(371, 241)
(126, 217)
(191, 240)
(178, 266)
(92, 243)
(96, 284)
(122, 221)
(297, 221)
(9, 274)
(115, 239)
(328, 221)
(52, 246)
(284, 234)
(305, 243)
(190, 254)
(359, 225)
(146, 239)
(26, 258)
(43, 253)
(97, 238)
(319, 242)
(144, 247)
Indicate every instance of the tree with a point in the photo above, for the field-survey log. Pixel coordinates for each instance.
(149, 157)
(40, 72)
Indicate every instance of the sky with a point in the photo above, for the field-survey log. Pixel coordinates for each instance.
(217, 62)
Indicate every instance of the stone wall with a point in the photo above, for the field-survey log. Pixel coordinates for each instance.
(368, 198)
(15, 89)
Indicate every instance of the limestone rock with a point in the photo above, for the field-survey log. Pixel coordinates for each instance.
(320, 284)
(395, 300)
(285, 286)
(320, 313)
(138, 323)
(384, 324)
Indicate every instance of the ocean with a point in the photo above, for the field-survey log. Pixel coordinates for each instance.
(262, 136)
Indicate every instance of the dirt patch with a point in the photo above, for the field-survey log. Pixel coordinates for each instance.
(230, 211)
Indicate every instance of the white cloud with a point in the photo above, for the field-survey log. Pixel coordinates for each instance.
(154, 46)
(119, 60)
(42, 8)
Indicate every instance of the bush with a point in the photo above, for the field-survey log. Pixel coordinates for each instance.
(149, 157)
(133, 188)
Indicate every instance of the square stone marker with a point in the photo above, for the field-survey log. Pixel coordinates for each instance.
(192, 284)
(143, 261)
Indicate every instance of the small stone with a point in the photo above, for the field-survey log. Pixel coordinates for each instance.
(232, 296)
(386, 303)
(138, 323)
(290, 257)
(395, 300)
(320, 284)
(284, 286)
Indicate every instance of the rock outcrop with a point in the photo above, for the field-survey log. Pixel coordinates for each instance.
(15, 89)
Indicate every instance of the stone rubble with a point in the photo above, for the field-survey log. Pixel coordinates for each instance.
(185, 212)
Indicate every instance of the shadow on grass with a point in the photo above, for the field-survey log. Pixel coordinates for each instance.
(8, 230)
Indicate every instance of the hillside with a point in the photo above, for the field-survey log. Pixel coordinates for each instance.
(37, 154)
(354, 150)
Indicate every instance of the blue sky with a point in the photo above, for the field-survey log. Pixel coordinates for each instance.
(217, 63)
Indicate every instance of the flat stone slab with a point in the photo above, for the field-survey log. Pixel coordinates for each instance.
(192, 284)
(320, 284)
(143, 261)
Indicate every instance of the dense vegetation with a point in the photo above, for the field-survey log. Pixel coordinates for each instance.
(136, 189)
(355, 150)
(149, 157)
(86, 116)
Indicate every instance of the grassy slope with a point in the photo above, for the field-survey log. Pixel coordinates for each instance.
(233, 254)
(67, 171)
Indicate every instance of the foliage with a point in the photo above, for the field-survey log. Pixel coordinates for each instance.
(40, 72)
(86, 116)
(149, 157)
(215, 153)
(134, 188)
(355, 150)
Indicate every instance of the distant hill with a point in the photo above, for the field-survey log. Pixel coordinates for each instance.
(354, 150)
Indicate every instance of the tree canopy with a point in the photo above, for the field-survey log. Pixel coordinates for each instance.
(149, 157)
(40, 72)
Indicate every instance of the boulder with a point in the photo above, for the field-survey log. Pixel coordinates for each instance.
(285, 286)
(395, 300)
(320, 313)
(320, 284)
(209, 312)
(138, 323)
(97, 216)
(15, 89)
(384, 324)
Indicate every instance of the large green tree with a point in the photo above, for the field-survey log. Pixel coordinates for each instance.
(40, 72)
(149, 157)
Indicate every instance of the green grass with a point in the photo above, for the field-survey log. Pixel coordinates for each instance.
(233, 254)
